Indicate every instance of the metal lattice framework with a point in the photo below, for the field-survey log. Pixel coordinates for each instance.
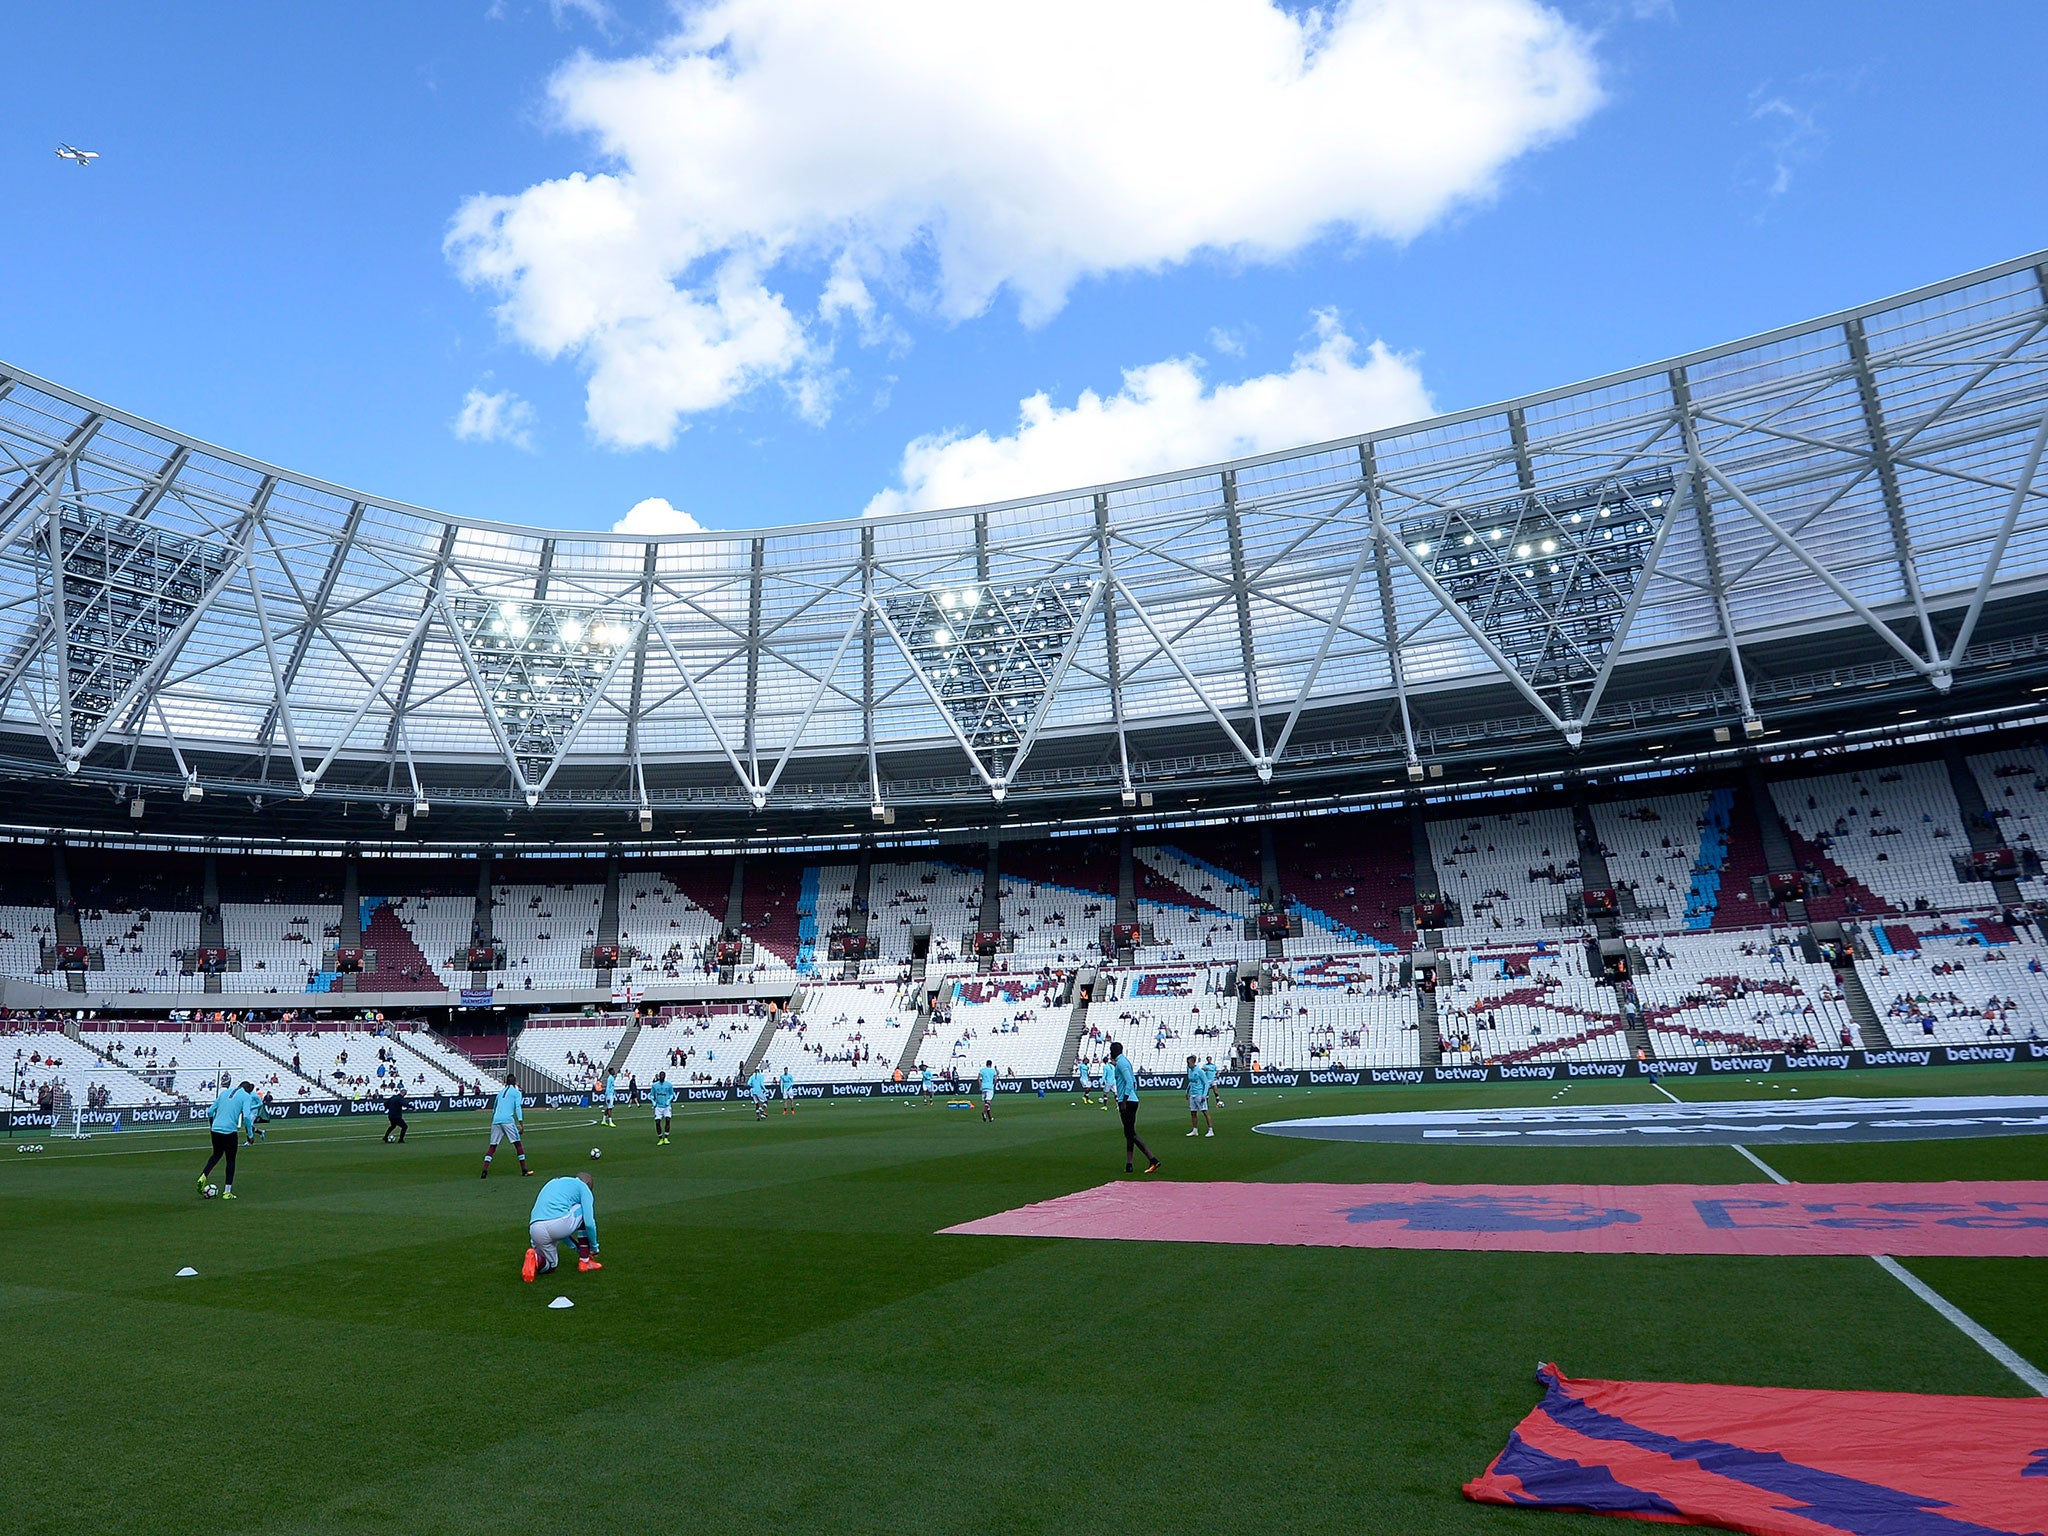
(1874, 472)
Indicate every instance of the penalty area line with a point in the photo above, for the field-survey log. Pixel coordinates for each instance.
(2035, 1381)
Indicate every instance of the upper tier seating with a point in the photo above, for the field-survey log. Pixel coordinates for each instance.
(1347, 879)
(1509, 874)
(23, 931)
(440, 927)
(546, 930)
(666, 930)
(2015, 787)
(1653, 848)
(1888, 834)
(141, 950)
(1056, 924)
(281, 943)
(947, 896)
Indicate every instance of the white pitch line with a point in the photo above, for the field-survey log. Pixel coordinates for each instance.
(2036, 1382)
(1992, 1345)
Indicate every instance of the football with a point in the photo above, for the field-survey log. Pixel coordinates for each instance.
(212, 1190)
(595, 1154)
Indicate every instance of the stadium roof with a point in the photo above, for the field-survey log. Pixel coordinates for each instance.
(1728, 536)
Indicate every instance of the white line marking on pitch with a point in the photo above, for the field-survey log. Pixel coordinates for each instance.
(2036, 1382)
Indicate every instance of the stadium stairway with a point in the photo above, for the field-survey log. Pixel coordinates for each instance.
(1640, 1046)
(618, 1062)
(66, 912)
(608, 916)
(1427, 881)
(401, 1043)
(1594, 874)
(1429, 1039)
(1247, 1017)
(212, 932)
(1856, 997)
(757, 1050)
(907, 1062)
(1083, 983)
(1984, 834)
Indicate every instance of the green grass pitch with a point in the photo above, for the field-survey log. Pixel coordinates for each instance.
(780, 1341)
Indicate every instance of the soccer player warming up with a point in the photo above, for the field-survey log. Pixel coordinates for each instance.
(507, 1116)
(661, 1093)
(611, 1097)
(1198, 1099)
(988, 1090)
(234, 1110)
(757, 1087)
(394, 1114)
(787, 1084)
(565, 1211)
(1122, 1080)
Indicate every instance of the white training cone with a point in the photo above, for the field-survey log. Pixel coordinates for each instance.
(559, 1302)
(187, 1272)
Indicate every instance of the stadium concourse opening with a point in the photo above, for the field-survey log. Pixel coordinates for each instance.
(1448, 801)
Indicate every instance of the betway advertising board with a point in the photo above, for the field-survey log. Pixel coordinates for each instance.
(1756, 1065)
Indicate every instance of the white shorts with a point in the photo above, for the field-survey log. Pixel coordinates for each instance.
(1198, 1106)
(989, 1097)
(545, 1235)
(504, 1130)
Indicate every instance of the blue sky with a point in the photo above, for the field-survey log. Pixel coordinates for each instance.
(775, 271)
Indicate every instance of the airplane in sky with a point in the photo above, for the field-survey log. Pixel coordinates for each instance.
(82, 157)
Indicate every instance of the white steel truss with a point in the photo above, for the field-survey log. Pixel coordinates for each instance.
(1875, 474)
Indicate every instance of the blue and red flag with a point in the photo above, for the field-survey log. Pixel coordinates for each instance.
(1778, 1461)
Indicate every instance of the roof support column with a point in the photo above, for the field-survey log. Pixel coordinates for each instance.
(393, 736)
(1240, 590)
(752, 744)
(647, 568)
(1112, 650)
(1390, 621)
(867, 669)
(1710, 544)
(1888, 483)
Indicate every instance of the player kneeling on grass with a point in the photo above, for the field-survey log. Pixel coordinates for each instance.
(1198, 1099)
(506, 1117)
(661, 1093)
(988, 1090)
(566, 1211)
(234, 1110)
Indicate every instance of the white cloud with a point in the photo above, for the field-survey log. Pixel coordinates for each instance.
(1165, 417)
(494, 418)
(943, 154)
(656, 515)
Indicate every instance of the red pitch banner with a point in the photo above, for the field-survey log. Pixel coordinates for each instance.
(2000, 1219)
(1777, 1461)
